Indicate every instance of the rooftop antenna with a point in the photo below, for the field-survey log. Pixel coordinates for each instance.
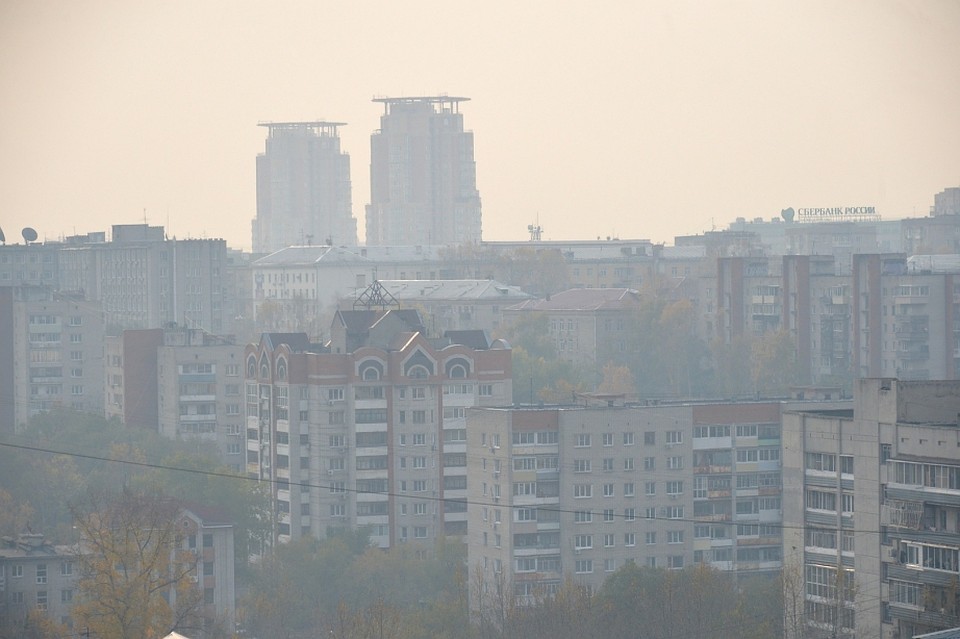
(29, 235)
(535, 230)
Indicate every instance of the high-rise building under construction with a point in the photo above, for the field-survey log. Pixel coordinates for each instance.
(423, 178)
(303, 188)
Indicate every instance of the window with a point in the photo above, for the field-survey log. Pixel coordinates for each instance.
(41, 599)
(609, 565)
(628, 463)
(583, 440)
(66, 568)
(582, 517)
(16, 570)
(420, 508)
(630, 539)
(581, 465)
(675, 562)
(674, 437)
(649, 463)
(608, 540)
(650, 512)
(674, 463)
(581, 542)
(650, 488)
(608, 490)
(66, 596)
(420, 485)
(846, 503)
(420, 532)
(630, 514)
(675, 512)
(846, 464)
(650, 538)
(649, 438)
(674, 487)
(746, 430)
(608, 464)
(674, 536)
(821, 500)
(419, 462)
(821, 461)
(629, 489)
(41, 573)
(584, 566)
(582, 490)
(628, 439)
(608, 439)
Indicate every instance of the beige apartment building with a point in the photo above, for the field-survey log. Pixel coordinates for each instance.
(579, 491)
(370, 428)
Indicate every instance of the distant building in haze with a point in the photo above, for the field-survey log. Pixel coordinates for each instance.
(422, 175)
(303, 188)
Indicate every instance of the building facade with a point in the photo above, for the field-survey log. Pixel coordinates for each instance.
(182, 382)
(143, 279)
(303, 188)
(577, 492)
(369, 429)
(51, 354)
(872, 512)
(423, 177)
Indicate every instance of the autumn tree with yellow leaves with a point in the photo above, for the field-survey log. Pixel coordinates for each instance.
(136, 578)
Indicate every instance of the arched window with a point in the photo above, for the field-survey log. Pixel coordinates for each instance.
(370, 370)
(282, 369)
(418, 372)
(252, 367)
(457, 368)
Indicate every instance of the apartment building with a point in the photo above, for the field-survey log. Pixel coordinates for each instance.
(143, 279)
(51, 354)
(182, 382)
(579, 491)
(369, 429)
(904, 324)
(588, 326)
(872, 512)
(200, 392)
(36, 575)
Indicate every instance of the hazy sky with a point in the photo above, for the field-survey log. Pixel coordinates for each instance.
(630, 119)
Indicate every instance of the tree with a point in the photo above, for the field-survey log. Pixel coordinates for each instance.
(136, 579)
(774, 363)
(617, 380)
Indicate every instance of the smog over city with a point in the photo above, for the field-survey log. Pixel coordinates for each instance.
(479, 320)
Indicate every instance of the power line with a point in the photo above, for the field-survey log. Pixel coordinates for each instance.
(402, 495)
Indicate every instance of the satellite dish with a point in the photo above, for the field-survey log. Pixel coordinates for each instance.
(787, 214)
(29, 235)
(3, 238)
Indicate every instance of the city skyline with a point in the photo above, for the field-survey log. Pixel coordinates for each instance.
(645, 121)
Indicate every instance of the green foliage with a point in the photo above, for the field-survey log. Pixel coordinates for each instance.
(343, 586)
(44, 483)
